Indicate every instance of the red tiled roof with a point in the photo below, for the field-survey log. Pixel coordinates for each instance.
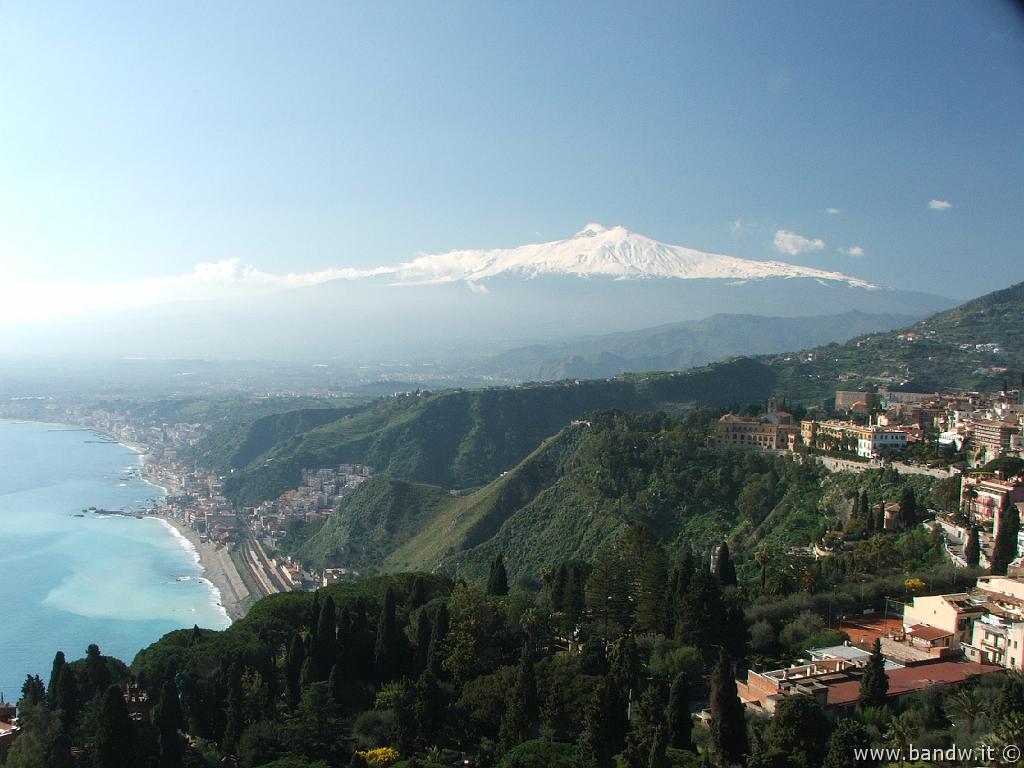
(928, 633)
(910, 679)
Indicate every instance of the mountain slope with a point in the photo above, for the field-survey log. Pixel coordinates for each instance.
(979, 344)
(573, 495)
(465, 438)
(678, 346)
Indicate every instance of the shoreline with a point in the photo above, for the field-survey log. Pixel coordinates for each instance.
(216, 566)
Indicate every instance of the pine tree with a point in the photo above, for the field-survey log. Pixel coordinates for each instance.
(33, 692)
(680, 722)
(728, 724)
(497, 581)
(972, 548)
(725, 571)
(115, 735)
(387, 650)
(652, 578)
(1004, 550)
(874, 685)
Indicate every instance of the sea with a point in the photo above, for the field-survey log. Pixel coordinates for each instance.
(70, 577)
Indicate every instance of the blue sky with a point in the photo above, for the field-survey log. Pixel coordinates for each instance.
(137, 139)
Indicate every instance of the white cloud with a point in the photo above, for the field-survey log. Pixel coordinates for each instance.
(477, 287)
(853, 250)
(735, 225)
(832, 211)
(793, 244)
(22, 301)
(940, 205)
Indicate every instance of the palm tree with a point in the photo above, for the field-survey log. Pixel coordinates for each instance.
(901, 733)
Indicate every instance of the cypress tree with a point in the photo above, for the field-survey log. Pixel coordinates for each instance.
(680, 722)
(880, 518)
(798, 731)
(647, 727)
(234, 714)
(724, 569)
(702, 615)
(594, 749)
(387, 651)
(908, 507)
(1004, 550)
(97, 676)
(325, 640)
(865, 513)
(652, 579)
(115, 736)
(428, 709)
(438, 633)
(418, 597)
(52, 689)
(972, 548)
(497, 581)
(168, 722)
(423, 633)
(874, 685)
(69, 699)
(294, 661)
(728, 724)
(518, 723)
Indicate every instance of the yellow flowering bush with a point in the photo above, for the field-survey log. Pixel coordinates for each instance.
(381, 756)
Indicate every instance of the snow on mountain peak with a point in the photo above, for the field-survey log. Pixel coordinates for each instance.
(600, 251)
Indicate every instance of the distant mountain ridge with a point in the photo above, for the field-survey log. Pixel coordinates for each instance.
(678, 346)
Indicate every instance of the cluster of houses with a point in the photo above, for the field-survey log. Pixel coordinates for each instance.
(878, 424)
(939, 640)
(314, 500)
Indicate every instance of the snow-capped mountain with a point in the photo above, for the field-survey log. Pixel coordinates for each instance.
(598, 251)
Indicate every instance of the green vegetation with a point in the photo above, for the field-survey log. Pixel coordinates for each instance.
(458, 438)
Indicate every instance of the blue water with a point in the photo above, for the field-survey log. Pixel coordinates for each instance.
(68, 581)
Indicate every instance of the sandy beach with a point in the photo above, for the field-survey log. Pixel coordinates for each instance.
(218, 568)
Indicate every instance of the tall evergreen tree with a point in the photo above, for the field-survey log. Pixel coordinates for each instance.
(325, 640)
(418, 596)
(497, 581)
(33, 692)
(234, 713)
(728, 724)
(423, 632)
(972, 548)
(646, 728)
(725, 571)
(97, 675)
(865, 513)
(652, 579)
(679, 719)
(334, 683)
(702, 615)
(387, 654)
(438, 633)
(115, 735)
(798, 731)
(594, 748)
(52, 688)
(428, 709)
(522, 709)
(1004, 550)
(879, 518)
(874, 684)
(167, 718)
(908, 508)
(69, 699)
(294, 661)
